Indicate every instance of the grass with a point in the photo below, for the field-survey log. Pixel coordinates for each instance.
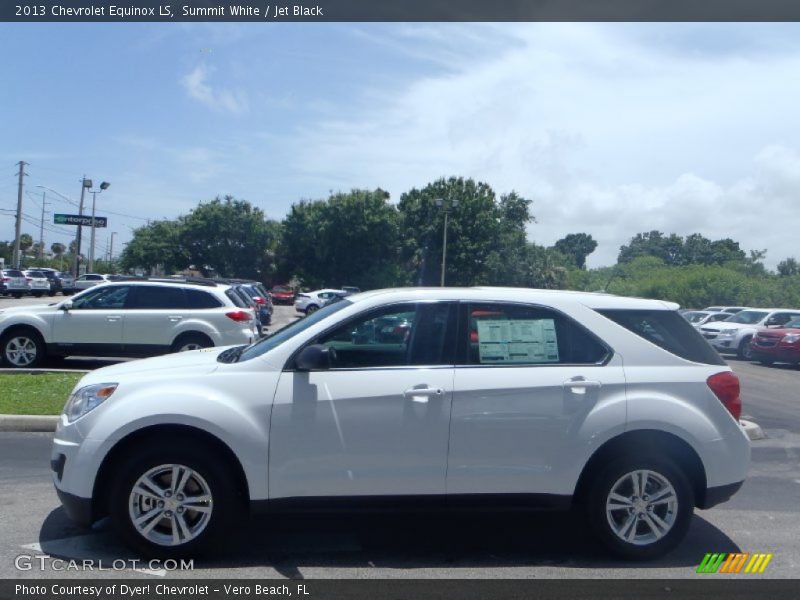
(35, 394)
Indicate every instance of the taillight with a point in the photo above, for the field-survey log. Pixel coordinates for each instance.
(725, 386)
(259, 300)
(239, 316)
(6, 279)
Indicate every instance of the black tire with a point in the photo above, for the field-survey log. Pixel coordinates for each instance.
(51, 294)
(678, 516)
(227, 507)
(18, 338)
(767, 362)
(38, 294)
(191, 341)
(744, 351)
(17, 295)
(311, 308)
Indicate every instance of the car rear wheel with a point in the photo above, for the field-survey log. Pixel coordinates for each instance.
(22, 348)
(192, 341)
(17, 295)
(640, 508)
(745, 351)
(312, 309)
(175, 500)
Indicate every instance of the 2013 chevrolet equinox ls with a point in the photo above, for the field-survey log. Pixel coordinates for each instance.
(434, 397)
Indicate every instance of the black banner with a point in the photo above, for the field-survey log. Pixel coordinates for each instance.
(270, 11)
(733, 588)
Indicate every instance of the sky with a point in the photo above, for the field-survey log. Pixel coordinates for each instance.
(610, 129)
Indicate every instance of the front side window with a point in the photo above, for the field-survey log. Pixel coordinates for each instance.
(748, 317)
(513, 334)
(109, 297)
(397, 336)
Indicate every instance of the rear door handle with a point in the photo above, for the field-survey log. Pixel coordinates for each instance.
(578, 385)
(113, 319)
(175, 318)
(422, 394)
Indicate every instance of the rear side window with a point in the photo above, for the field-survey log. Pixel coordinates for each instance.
(155, 297)
(668, 330)
(14, 273)
(235, 298)
(515, 334)
(200, 299)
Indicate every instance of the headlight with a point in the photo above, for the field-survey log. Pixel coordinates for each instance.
(87, 399)
(791, 338)
(728, 332)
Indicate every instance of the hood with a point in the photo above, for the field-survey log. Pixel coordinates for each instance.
(35, 309)
(777, 333)
(720, 325)
(181, 363)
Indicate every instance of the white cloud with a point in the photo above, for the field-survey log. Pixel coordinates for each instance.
(196, 85)
(611, 130)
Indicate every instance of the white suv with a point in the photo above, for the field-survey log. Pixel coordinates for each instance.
(521, 398)
(126, 319)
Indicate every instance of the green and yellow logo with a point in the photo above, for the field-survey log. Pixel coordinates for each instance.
(734, 563)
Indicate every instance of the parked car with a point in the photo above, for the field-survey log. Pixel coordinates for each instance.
(38, 283)
(84, 282)
(733, 335)
(282, 294)
(54, 281)
(777, 345)
(309, 302)
(616, 406)
(15, 283)
(701, 317)
(728, 309)
(126, 319)
(350, 289)
(262, 300)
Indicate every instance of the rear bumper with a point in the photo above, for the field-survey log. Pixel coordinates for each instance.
(719, 494)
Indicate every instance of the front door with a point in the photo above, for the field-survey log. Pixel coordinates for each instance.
(93, 326)
(376, 422)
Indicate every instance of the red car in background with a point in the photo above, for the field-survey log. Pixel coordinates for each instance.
(282, 294)
(777, 345)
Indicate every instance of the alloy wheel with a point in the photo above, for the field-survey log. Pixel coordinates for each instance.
(642, 507)
(170, 505)
(21, 351)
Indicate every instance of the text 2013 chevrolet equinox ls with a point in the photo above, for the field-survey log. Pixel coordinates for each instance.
(439, 396)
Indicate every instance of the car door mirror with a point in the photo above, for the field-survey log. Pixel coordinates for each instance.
(66, 306)
(315, 358)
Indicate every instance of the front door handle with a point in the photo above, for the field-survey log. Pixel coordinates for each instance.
(113, 319)
(422, 394)
(175, 318)
(579, 385)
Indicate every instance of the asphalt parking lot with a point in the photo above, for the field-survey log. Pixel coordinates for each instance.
(762, 517)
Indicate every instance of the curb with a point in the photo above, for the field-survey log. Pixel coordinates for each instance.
(37, 371)
(46, 423)
(753, 430)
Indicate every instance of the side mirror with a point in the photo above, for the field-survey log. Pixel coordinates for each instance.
(315, 358)
(66, 306)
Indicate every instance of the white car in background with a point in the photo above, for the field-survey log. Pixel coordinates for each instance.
(491, 397)
(701, 317)
(84, 282)
(309, 302)
(38, 283)
(732, 336)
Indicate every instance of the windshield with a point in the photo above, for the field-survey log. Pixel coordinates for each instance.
(292, 329)
(748, 317)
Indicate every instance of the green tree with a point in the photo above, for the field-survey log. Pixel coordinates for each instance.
(154, 244)
(576, 246)
(25, 242)
(485, 237)
(788, 267)
(58, 249)
(349, 239)
(230, 237)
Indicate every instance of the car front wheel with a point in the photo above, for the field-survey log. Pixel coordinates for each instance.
(640, 508)
(745, 351)
(22, 348)
(179, 500)
(312, 309)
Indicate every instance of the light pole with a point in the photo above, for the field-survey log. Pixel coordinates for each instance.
(111, 250)
(446, 207)
(103, 187)
(85, 184)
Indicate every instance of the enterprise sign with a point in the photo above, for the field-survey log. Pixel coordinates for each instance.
(86, 220)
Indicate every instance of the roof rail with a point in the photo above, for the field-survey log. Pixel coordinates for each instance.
(194, 280)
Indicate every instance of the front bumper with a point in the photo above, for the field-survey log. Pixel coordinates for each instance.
(79, 510)
(719, 494)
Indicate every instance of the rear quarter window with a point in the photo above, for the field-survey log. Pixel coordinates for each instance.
(666, 329)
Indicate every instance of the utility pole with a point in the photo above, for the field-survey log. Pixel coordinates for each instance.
(84, 181)
(41, 226)
(446, 207)
(18, 229)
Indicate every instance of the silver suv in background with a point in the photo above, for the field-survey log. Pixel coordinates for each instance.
(434, 398)
(14, 283)
(127, 319)
(732, 336)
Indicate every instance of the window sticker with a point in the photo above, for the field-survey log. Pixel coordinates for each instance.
(514, 341)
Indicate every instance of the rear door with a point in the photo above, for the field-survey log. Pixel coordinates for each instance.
(526, 380)
(153, 317)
